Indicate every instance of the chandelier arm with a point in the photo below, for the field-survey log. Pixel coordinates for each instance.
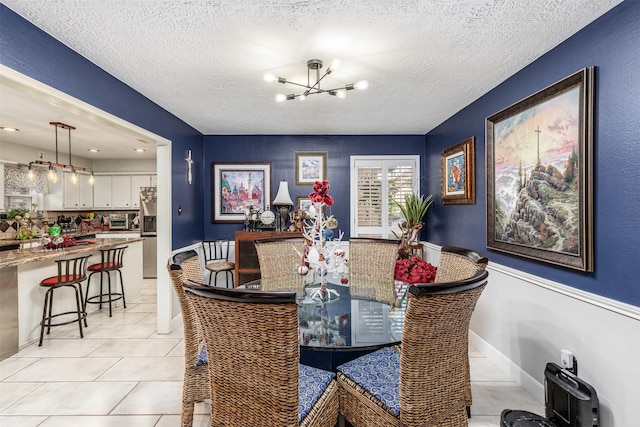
(298, 84)
(345, 87)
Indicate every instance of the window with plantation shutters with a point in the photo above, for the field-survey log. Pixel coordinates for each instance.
(375, 182)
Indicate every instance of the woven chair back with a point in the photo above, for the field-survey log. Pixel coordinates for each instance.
(434, 352)
(278, 262)
(373, 257)
(253, 336)
(458, 263)
(184, 266)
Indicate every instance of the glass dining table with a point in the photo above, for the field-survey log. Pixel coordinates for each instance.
(348, 320)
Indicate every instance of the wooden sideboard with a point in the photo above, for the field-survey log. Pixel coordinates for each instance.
(247, 265)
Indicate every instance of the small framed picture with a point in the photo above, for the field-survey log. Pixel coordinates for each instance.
(458, 186)
(304, 204)
(310, 167)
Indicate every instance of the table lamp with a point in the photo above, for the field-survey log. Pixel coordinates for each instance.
(282, 202)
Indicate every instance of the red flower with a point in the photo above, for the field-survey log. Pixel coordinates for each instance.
(319, 195)
(415, 270)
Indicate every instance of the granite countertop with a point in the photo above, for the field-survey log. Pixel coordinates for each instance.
(14, 257)
(77, 235)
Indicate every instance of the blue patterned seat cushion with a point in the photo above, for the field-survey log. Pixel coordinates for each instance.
(313, 382)
(379, 374)
(202, 358)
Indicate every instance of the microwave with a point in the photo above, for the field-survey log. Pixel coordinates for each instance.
(118, 222)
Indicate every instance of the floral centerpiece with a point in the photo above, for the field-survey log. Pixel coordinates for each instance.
(415, 270)
(320, 253)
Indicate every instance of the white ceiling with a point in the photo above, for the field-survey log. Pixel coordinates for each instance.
(203, 60)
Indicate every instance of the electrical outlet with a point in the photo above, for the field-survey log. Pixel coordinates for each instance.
(40, 155)
(566, 359)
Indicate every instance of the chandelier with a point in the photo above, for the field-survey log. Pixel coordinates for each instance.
(54, 167)
(313, 87)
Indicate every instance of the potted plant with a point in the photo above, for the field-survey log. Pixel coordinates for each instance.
(414, 209)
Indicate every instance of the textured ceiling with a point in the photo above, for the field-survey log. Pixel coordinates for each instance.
(203, 60)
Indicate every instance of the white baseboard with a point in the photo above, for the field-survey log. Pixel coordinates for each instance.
(516, 373)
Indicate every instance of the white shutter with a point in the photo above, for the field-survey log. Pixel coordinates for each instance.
(375, 182)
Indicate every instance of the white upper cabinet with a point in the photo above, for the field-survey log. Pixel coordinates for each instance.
(121, 191)
(102, 192)
(78, 195)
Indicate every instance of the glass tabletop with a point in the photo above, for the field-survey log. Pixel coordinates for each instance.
(363, 313)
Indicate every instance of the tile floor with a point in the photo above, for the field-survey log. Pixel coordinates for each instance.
(124, 374)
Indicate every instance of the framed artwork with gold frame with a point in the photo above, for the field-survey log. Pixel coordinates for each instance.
(458, 174)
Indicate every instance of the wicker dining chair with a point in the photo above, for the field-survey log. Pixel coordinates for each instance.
(456, 264)
(422, 384)
(278, 261)
(373, 257)
(257, 379)
(196, 386)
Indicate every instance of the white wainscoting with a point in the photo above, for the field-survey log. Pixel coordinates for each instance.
(522, 321)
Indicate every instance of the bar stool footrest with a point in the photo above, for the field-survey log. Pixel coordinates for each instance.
(48, 319)
(104, 298)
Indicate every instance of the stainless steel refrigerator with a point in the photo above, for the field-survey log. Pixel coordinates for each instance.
(148, 203)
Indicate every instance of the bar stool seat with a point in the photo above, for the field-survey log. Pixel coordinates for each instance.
(71, 273)
(110, 260)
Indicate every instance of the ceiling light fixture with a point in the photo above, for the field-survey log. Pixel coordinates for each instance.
(53, 167)
(314, 88)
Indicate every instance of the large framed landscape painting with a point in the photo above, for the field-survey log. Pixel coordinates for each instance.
(539, 175)
(238, 188)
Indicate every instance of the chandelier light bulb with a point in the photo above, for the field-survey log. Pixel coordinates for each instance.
(91, 179)
(362, 85)
(335, 64)
(74, 177)
(30, 174)
(342, 94)
(302, 97)
(269, 78)
(280, 97)
(52, 175)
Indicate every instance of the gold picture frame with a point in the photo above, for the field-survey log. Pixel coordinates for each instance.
(458, 174)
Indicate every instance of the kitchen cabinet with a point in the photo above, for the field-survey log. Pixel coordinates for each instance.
(121, 191)
(138, 181)
(247, 265)
(102, 192)
(54, 199)
(78, 195)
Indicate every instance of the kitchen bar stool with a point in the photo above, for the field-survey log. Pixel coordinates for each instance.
(110, 260)
(71, 272)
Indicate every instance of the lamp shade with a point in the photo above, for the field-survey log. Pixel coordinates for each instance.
(283, 197)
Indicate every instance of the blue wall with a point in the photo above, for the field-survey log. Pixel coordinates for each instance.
(612, 45)
(279, 150)
(30, 51)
